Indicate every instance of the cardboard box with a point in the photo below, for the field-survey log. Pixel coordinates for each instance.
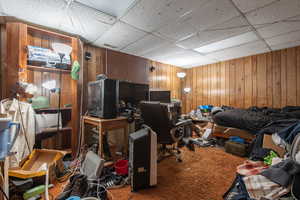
(32, 167)
(269, 144)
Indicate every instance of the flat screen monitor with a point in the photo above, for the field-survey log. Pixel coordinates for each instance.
(133, 93)
(161, 96)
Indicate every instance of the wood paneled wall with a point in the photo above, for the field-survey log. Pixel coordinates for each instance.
(113, 64)
(270, 79)
(2, 60)
(164, 77)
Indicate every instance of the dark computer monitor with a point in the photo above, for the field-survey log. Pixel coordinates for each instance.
(133, 93)
(163, 96)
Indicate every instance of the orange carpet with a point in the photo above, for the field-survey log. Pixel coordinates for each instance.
(203, 175)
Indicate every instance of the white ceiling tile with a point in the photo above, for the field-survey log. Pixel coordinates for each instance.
(120, 35)
(212, 13)
(248, 5)
(285, 45)
(178, 29)
(84, 21)
(150, 15)
(164, 52)
(46, 13)
(111, 7)
(284, 38)
(145, 45)
(277, 11)
(232, 27)
(227, 43)
(291, 24)
(240, 51)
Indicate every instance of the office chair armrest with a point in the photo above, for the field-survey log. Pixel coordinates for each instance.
(183, 122)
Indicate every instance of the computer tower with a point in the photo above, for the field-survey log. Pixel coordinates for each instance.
(102, 98)
(143, 159)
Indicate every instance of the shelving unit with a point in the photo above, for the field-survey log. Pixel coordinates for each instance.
(47, 69)
(19, 35)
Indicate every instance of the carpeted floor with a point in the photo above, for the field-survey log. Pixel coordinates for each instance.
(203, 175)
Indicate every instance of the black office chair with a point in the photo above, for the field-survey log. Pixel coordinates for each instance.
(169, 131)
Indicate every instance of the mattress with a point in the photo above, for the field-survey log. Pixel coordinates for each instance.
(254, 119)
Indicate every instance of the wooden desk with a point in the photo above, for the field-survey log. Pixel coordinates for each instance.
(105, 125)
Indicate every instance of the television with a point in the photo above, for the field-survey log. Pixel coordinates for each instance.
(133, 93)
(163, 96)
(102, 98)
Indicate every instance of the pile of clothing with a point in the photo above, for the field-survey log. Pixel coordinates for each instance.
(261, 181)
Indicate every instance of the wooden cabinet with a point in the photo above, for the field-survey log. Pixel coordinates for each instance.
(117, 65)
(131, 68)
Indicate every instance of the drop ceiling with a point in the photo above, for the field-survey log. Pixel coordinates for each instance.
(185, 33)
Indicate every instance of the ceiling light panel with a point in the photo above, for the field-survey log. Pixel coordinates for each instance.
(240, 51)
(227, 43)
(248, 5)
(120, 36)
(111, 7)
(291, 24)
(284, 38)
(187, 59)
(150, 15)
(279, 10)
(225, 30)
(145, 45)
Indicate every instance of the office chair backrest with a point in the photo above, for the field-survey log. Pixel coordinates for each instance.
(156, 116)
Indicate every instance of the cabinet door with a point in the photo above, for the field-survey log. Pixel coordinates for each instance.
(138, 70)
(117, 65)
(126, 67)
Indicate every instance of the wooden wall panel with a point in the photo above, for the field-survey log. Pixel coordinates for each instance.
(269, 79)
(2, 60)
(164, 77)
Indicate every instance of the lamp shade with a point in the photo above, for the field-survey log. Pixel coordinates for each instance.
(181, 74)
(50, 85)
(61, 48)
(31, 89)
(187, 90)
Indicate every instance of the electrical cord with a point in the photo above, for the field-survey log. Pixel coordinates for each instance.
(22, 125)
(81, 102)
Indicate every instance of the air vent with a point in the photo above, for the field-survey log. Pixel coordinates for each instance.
(110, 46)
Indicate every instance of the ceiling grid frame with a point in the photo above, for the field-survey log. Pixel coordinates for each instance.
(252, 27)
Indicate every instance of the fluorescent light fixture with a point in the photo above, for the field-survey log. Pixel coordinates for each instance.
(61, 48)
(181, 74)
(50, 85)
(187, 89)
(227, 43)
